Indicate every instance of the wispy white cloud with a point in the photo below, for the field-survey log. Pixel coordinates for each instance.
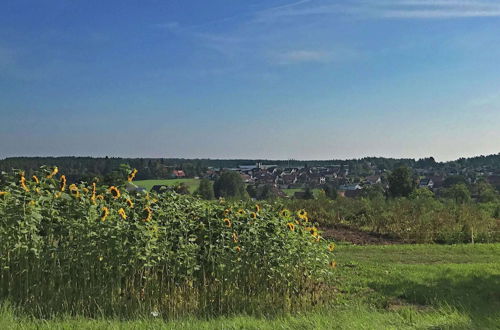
(298, 56)
(410, 9)
(302, 56)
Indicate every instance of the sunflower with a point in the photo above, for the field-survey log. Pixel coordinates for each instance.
(3, 193)
(331, 247)
(122, 213)
(241, 211)
(237, 249)
(58, 194)
(115, 192)
(285, 213)
(227, 211)
(62, 182)
(228, 222)
(73, 189)
(313, 231)
(257, 208)
(130, 203)
(101, 197)
(35, 179)
(85, 190)
(333, 264)
(131, 175)
(149, 214)
(291, 226)
(54, 172)
(104, 213)
(92, 198)
(302, 214)
(235, 237)
(253, 215)
(23, 183)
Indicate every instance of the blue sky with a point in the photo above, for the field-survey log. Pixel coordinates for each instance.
(311, 79)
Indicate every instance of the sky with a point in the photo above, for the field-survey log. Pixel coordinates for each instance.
(266, 79)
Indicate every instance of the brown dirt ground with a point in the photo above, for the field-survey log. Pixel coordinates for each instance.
(354, 236)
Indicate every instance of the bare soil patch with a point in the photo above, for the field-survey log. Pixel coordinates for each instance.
(358, 237)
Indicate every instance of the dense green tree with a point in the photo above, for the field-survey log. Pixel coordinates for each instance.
(459, 193)
(485, 192)
(252, 191)
(401, 183)
(206, 189)
(265, 191)
(330, 191)
(375, 191)
(308, 193)
(453, 180)
(230, 185)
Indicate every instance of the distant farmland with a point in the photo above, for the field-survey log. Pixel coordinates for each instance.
(192, 184)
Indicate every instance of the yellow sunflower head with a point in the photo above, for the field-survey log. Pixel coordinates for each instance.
(73, 189)
(235, 237)
(62, 183)
(253, 215)
(257, 208)
(122, 213)
(228, 222)
(130, 203)
(237, 249)
(23, 183)
(93, 197)
(131, 175)
(285, 213)
(104, 213)
(114, 192)
(333, 264)
(35, 179)
(54, 172)
(148, 214)
(331, 247)
(291, 226)
(302, 214)
(241, 211)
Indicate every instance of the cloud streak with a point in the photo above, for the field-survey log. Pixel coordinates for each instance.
(385, 9)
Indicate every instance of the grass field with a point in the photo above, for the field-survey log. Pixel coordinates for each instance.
(148, 184)
(292, 191)
(377, 287)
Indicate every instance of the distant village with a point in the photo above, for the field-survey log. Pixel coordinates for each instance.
(348, 183)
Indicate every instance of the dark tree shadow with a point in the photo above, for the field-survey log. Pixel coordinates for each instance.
(477, 296)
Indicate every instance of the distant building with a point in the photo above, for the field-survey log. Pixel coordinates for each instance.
(426, 183)
(350, 187)
(178, 173)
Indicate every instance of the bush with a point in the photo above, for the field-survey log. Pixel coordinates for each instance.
(420, 218)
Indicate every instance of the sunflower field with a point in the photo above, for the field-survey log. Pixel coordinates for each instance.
(92, 250)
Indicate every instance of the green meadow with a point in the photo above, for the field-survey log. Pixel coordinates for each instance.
(291, 191)
(192, 184)
(376, 287)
